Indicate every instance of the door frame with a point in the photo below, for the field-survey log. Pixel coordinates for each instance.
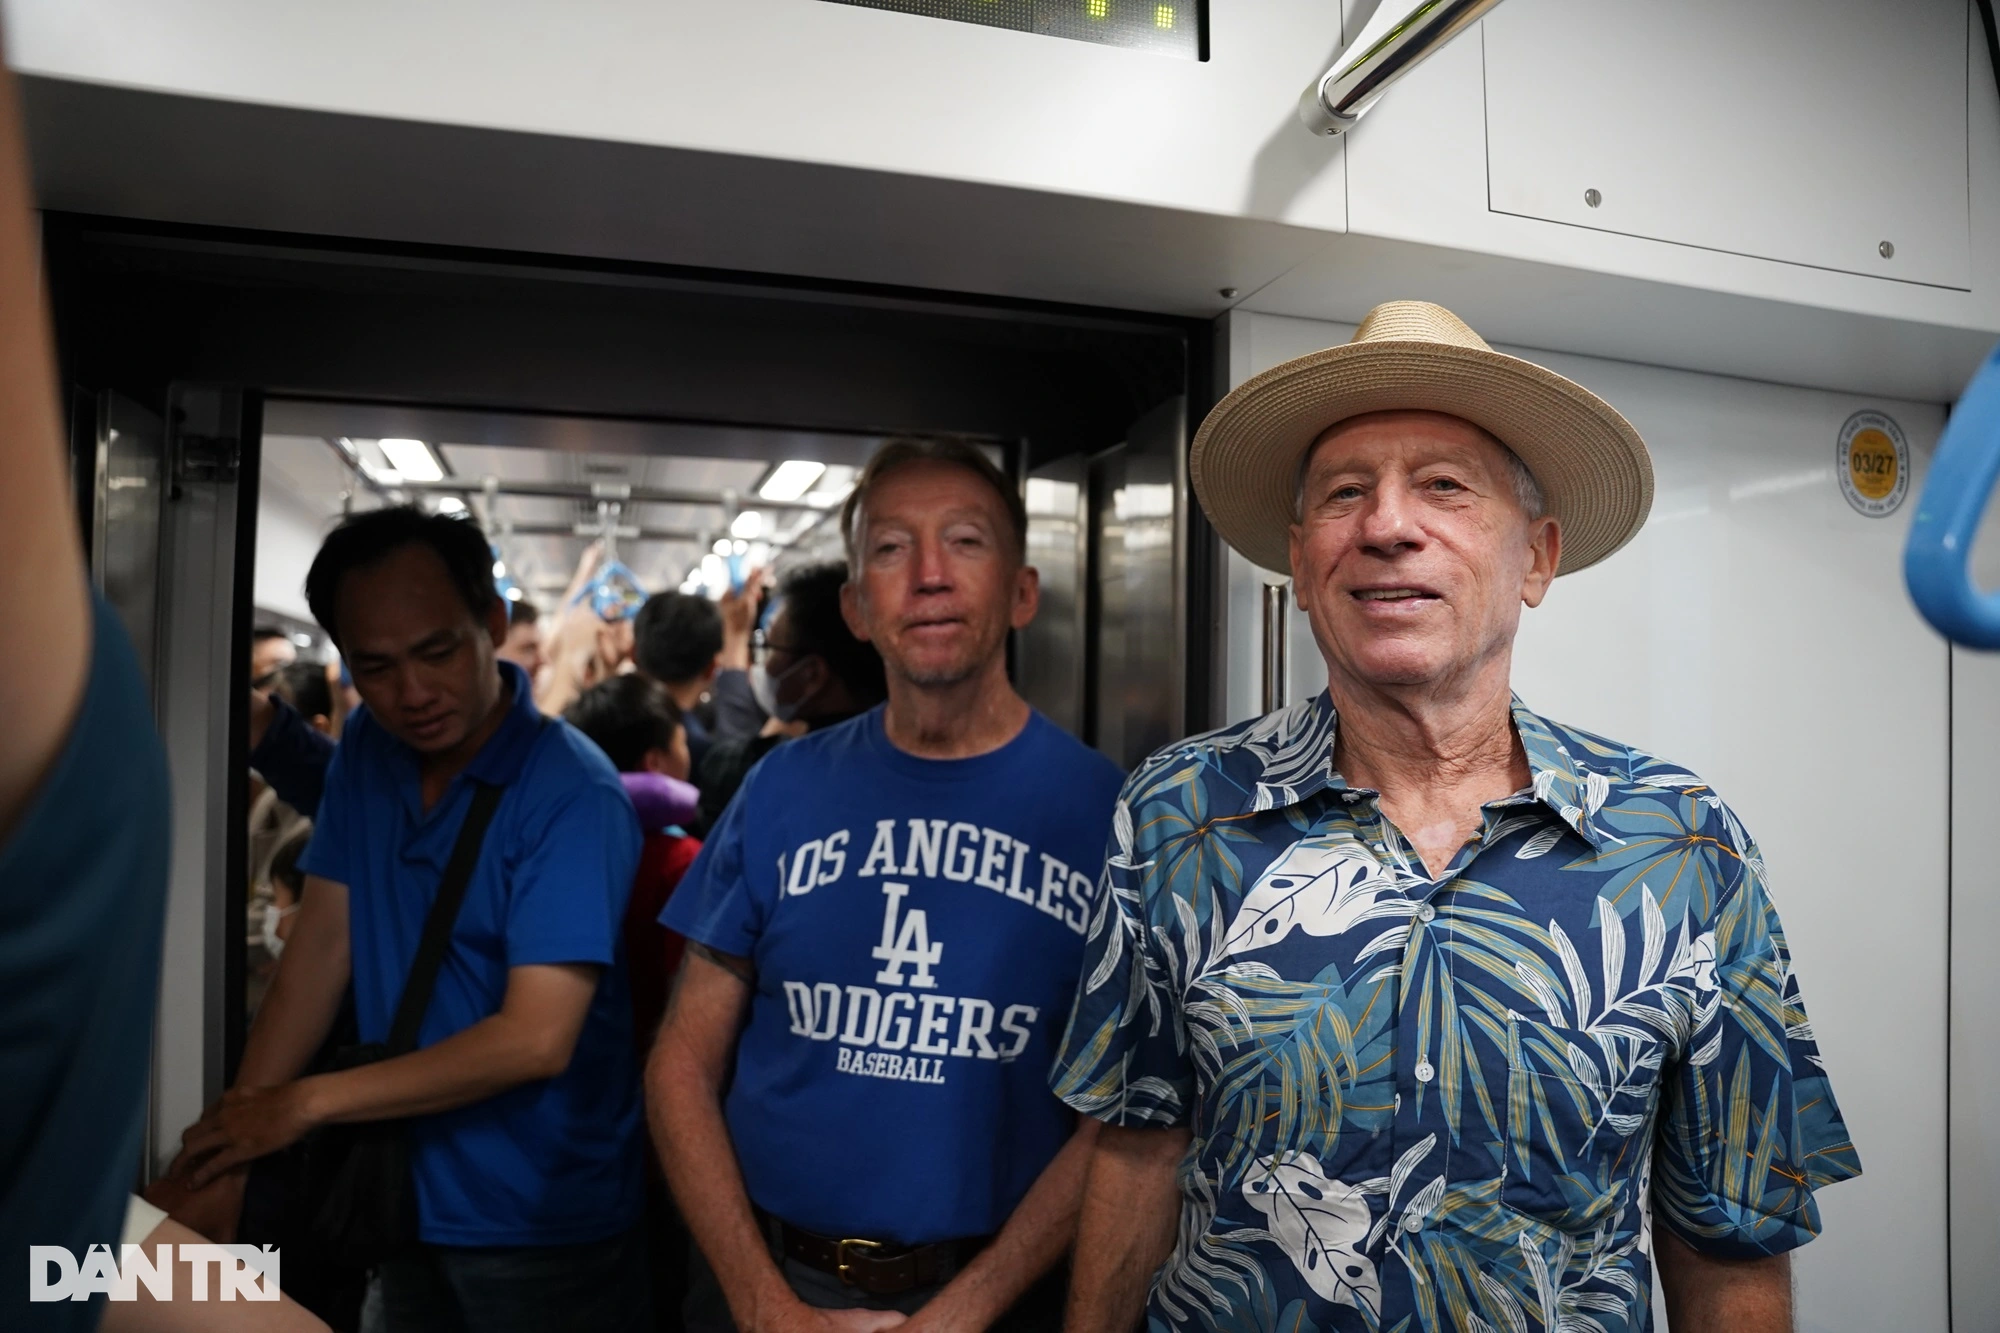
(204, 322)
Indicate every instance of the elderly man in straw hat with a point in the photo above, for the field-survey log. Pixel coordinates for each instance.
(1406, 1007)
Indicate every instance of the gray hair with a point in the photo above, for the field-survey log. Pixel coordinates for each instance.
(1528, 492)
(955, 453)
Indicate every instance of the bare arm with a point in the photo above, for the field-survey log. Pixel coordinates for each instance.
(532, 1037)
(575, 659)
(1131, 1214)
(1036, 1235)
(1706, 1294)
(296, 1015)
(739, 621)
(586, 566)
(570, 651)
(684, 1082)
(44, 611)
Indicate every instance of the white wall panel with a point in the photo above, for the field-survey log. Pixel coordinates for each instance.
(1738, 127)
(1757, 631)
(1418, 175)
(1975, 991)
(1975, 981)
(288, 537)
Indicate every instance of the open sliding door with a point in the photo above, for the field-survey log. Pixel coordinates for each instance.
(170, 517)
(1107, 656)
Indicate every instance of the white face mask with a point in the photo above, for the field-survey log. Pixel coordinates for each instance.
(273, 914)
(764, 688)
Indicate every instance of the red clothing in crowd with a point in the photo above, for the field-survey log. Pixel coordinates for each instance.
(654, 951)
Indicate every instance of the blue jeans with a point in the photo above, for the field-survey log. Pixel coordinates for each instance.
(600, 1287)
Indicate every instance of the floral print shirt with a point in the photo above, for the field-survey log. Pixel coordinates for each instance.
(1450, 1104)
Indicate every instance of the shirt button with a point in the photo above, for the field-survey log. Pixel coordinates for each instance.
(1426, 912)
(1424, 1071)
(1413, 1223)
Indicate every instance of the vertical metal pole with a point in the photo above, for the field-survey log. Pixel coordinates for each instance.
(1276, 641)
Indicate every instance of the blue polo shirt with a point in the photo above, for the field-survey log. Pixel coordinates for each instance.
(553, 1162)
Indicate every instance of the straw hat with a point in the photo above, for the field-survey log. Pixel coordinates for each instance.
(1591, 464)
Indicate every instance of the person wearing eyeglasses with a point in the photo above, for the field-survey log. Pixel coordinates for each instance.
(811, 672)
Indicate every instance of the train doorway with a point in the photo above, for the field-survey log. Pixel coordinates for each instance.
(230, 393)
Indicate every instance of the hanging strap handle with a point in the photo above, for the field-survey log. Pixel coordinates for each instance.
(1936, 562)
(443, 917)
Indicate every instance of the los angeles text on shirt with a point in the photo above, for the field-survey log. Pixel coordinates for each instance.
(903, 1027)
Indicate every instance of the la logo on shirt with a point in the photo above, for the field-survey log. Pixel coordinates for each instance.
(905, 1026)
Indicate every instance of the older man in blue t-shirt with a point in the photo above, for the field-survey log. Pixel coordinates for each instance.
(521, 1096)
(891, 915)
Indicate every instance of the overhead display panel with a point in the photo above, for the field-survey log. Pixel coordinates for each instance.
(1169, 27)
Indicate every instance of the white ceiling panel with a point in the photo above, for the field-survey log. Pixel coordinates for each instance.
(304, 475)
(307, 471)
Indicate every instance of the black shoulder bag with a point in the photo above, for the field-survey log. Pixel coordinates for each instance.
(358, 1175)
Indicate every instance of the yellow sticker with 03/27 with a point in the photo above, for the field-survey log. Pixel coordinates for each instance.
(1873, 464)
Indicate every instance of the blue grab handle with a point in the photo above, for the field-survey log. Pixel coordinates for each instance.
(1937, 561)
(614, 594)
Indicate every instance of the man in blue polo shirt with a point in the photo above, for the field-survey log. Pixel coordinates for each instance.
(522, 1095)
(897, 906)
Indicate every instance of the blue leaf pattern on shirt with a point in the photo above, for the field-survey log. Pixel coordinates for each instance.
(1431, 1105)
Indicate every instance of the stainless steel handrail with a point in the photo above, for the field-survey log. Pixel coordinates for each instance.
(583, 490)
(627, 532)
(1387, 48)
(1277, 645)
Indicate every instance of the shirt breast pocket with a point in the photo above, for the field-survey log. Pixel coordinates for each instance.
(1578, 1109)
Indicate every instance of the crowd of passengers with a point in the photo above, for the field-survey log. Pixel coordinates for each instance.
(848, 1099)
(1412, 1012)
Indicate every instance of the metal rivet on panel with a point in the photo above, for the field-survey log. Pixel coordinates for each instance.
(1592, 197)
(1227, 293)
(1887, 249)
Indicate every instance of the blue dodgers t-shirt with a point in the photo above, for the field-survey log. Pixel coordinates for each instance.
(916, 927)
(553, 1162)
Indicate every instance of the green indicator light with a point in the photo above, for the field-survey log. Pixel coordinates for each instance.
(1165, 27)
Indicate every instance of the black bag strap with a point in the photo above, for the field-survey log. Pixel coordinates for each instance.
(443, 917)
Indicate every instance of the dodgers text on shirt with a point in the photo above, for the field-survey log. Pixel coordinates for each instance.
(905, 1026)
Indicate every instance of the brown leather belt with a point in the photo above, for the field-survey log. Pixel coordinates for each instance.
(880, 1268)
